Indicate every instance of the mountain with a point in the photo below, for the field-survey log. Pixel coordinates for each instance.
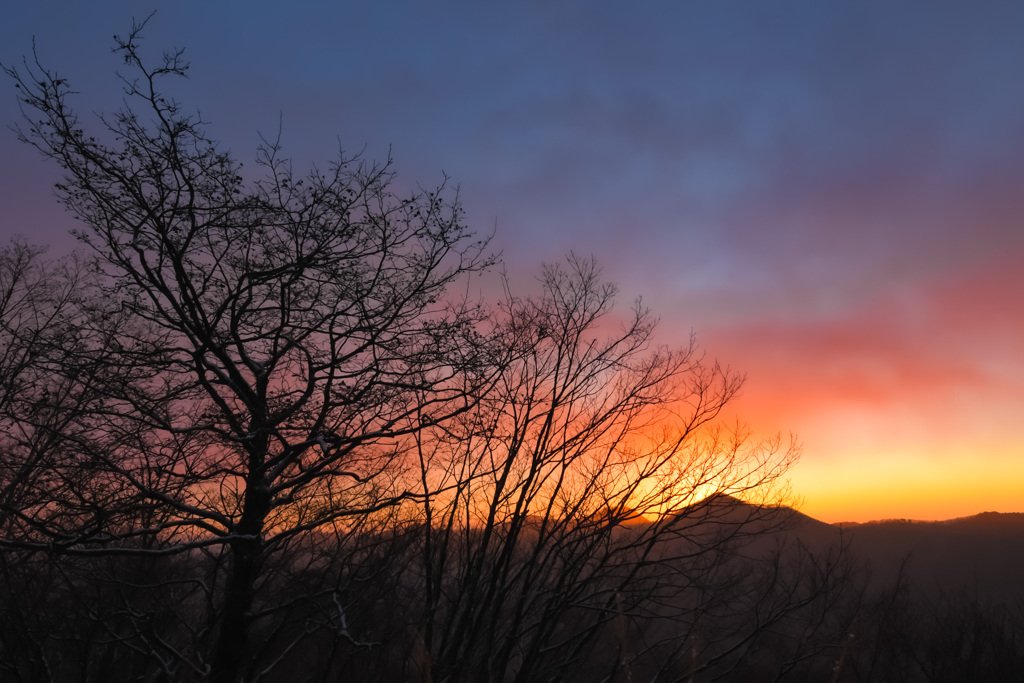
(981, 555)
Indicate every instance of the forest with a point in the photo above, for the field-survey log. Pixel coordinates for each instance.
(272, 425)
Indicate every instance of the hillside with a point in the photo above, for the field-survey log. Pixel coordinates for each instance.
(980, 555)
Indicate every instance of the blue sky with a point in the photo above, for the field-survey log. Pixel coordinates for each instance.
(827, 193)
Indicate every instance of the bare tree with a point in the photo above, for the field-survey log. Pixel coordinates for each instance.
(267, 417)
(256, 352)
(39, 322)
(591, 491)
(36, 298)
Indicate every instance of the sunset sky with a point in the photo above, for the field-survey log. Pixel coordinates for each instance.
(829, 194)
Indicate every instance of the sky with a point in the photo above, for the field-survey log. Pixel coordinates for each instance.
(830, 195)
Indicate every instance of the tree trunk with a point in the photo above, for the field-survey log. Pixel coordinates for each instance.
(231, 650)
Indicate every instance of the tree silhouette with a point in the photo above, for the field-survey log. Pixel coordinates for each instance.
(255, 354)
(590, 486)
(259, 422)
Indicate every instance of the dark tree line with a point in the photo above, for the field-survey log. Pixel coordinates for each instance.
(258, 430)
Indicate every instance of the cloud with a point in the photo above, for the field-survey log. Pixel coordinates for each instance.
(938, 356)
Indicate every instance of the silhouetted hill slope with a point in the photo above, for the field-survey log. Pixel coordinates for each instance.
(982, 554)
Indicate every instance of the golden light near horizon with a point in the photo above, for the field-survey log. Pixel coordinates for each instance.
(928, 484)
(906, 405)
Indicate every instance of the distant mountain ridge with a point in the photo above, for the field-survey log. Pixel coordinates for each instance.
(980, 554)
(1001, 518)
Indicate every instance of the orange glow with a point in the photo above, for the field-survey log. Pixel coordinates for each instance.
(921, 485)
(907, 404)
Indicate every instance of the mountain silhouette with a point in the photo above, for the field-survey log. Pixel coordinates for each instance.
(980, 555)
